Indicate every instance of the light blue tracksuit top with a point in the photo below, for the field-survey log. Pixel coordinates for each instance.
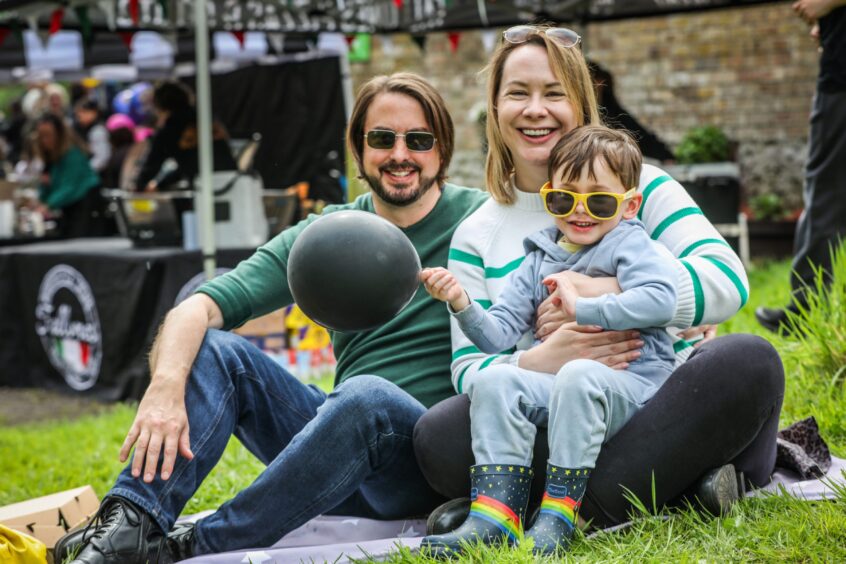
(645, 273)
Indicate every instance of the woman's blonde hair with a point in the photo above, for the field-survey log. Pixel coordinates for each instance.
(569, 67)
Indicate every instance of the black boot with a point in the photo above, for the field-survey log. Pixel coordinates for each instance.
(499, 494)
(121, 532)
(719, 489)
(559, 510)
(448, 516)
(180, 541)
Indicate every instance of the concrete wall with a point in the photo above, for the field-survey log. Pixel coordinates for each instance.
(749, 70)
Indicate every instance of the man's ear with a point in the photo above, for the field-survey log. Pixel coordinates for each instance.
(631, 206)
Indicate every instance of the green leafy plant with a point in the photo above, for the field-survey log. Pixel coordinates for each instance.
(703, 145)
(767, 207)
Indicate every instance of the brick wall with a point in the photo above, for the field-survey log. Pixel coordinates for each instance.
(749, 70)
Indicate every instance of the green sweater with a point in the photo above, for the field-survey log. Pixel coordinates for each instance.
(413, 350)
(71, 177)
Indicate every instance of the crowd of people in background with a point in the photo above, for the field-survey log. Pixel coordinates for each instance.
(67, 143)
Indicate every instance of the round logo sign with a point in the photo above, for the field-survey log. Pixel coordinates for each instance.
(66, 320)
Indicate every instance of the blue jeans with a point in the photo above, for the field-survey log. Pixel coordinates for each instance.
(346, 453)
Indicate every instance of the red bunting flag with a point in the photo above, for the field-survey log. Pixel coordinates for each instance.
(56, 20)
(350, 39)
(239, 35)
(454, 38)
(134, 11)
(126, 37)
(398, 4)
(4, 33)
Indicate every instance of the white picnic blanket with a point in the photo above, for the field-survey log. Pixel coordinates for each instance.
(344, 539)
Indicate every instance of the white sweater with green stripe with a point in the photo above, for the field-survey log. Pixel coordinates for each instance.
(488, 246)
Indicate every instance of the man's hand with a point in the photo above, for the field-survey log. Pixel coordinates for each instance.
(564, 295)
(813, 10)
(703, 332)
(161, 421)
(443, 286)
(571, 341)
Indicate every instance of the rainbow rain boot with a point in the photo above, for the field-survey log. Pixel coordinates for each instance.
(556, 521)
(499, 494)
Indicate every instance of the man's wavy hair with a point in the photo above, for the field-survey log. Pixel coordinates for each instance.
(416, 87)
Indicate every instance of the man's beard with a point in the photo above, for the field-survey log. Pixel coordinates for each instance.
(404, 196)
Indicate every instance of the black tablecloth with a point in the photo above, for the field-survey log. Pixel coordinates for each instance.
(82, 314)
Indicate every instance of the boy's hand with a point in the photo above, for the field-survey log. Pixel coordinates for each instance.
(442, 285)
(564, 295)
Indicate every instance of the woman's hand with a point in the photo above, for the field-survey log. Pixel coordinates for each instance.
(587, 286)
(703, 332)
(571, 341)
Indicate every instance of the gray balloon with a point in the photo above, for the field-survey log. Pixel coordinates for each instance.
(352, 271)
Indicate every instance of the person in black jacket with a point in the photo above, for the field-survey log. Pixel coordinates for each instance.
(821, 227)
(614, 115)
(176, 138)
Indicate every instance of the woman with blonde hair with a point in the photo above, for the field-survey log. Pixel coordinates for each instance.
(711, 429)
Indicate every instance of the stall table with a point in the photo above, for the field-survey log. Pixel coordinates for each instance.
(82, 314)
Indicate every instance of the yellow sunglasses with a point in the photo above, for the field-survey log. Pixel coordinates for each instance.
(598, 205)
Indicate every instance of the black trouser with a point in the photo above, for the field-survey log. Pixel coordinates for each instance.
(720, 406)
(823, 223)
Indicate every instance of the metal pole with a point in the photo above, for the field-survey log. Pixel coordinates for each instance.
(205, 201)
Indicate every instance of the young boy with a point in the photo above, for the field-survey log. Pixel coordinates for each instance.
(594, 170)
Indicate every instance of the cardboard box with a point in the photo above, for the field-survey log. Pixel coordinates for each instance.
(48, 518)
(7, 190)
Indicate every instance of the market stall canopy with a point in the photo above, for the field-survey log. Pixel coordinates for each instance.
(348, 16)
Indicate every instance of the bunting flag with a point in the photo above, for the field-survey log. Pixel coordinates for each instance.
(56, 20)
(4, 33)
(17, 31)
(388, 47)
(126, 37)
(454, 38)
(398, 4)
(489, 40)
(84, 25)
(420, 40)
(43, 36)
(108, 9)
(276, 40)
(163, 4)
(134, 11)
(239, 35)
(350, 39)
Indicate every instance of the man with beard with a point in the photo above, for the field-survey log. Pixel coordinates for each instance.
(348, 453)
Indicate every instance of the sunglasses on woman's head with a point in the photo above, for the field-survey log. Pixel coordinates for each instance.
(521, 33)
(598, 205)
(415, 141)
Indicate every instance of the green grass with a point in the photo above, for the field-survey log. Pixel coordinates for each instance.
(40, 459)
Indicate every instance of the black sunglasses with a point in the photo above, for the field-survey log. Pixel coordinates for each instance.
(416, 141)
